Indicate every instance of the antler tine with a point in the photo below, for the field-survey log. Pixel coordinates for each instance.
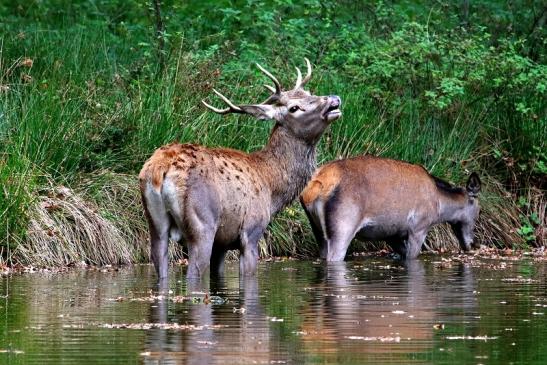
(227, 101)
(271, 88)
(308, 75)
(276, 83)
(298, 78)
(216, 110)
(232, 108)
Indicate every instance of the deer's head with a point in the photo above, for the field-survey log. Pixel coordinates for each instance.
(304, 115)
(464, 227)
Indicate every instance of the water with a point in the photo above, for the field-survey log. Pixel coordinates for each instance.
(369, 311)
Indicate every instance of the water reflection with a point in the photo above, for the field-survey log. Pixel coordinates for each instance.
(371, 311)
(236, 332)
(375, 310)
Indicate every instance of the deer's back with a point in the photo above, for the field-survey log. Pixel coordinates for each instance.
(377, 185)
(229, 174)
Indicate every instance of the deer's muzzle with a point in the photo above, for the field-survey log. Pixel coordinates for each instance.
(332, 109)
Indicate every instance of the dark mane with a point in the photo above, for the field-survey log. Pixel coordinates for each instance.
(446, 187)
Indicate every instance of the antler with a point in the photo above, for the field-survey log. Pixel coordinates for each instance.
(276, 83)
(299, 81)
(232, 108)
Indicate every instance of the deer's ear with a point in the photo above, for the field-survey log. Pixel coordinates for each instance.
(260, 111)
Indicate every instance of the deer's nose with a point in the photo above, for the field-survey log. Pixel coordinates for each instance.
(335, 100)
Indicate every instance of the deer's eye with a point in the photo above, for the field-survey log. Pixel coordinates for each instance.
(294, 108)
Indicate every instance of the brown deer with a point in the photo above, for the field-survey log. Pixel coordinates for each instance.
(217, 199)
(377, 198)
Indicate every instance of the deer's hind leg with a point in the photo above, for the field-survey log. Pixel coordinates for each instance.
(342, 223)
(200, 240)
(316, 227)
(201, 220)
(159, 224)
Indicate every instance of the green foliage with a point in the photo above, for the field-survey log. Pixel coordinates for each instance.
(17, 182)
(529, 222)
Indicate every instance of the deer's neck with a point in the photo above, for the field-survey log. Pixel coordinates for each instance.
(287, 164)
(451, 207)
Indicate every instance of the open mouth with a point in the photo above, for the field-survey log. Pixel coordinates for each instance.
(334, 106)
(333, 111)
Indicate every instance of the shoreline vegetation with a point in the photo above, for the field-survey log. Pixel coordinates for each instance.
(88, 90)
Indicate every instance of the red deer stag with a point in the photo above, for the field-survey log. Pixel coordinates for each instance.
(383, 199)
(217, 199)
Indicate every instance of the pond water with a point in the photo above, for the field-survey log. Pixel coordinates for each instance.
(366, 311)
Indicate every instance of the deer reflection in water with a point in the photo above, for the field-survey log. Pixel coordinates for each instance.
(379, 311)
(226, 334)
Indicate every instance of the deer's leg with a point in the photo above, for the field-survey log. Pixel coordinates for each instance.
(200, 248)
(201, 224)
(249, 250)
(317, 233)
(159, 224)
(158, 251)
(339, 242)
(414, 243)
(217, 261)
(342, 223)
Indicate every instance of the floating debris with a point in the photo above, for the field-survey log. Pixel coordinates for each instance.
(398, 312)
(520, 280)
(275, 319)
(480, 338)
(239, 310)
(374, 338)
(213, 299)
(438, 326)
(163, 326)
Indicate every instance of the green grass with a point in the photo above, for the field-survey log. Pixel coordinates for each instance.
(96, 106)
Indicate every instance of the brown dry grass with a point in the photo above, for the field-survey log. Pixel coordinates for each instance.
(101, 223)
